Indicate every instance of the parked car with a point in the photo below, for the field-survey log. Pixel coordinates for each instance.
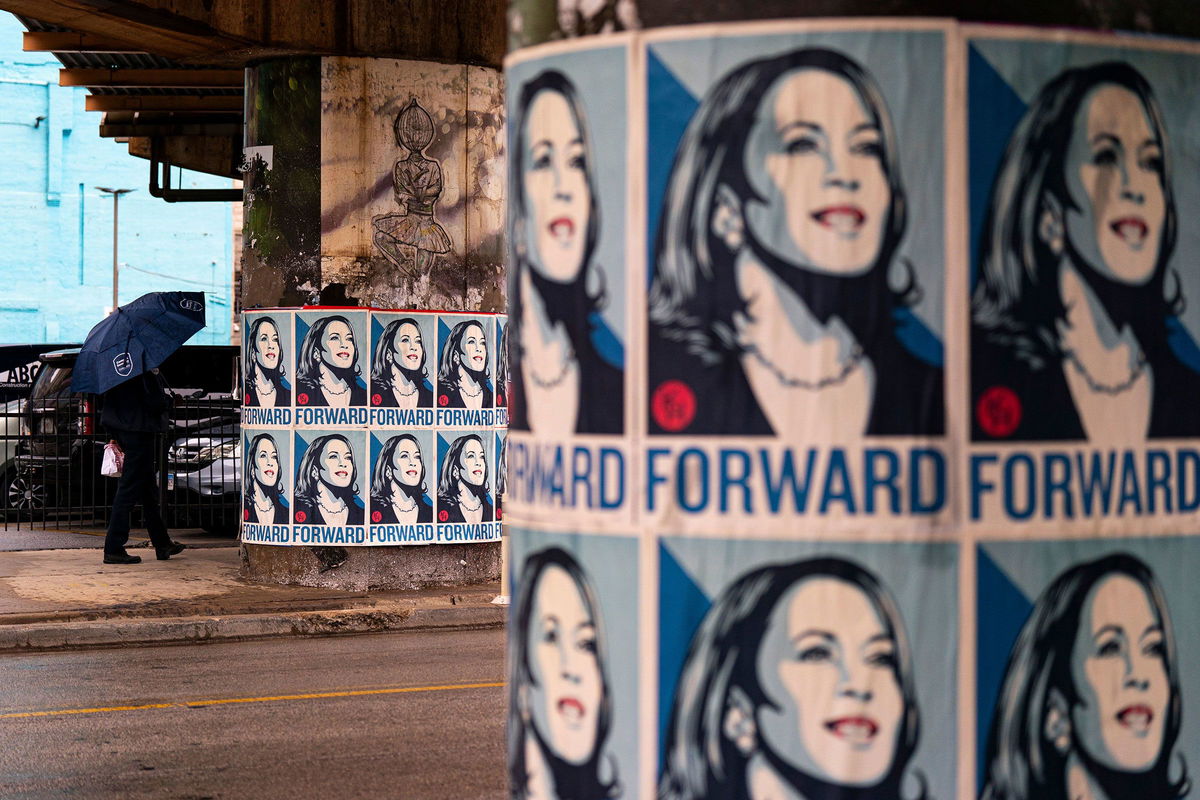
(63, 440)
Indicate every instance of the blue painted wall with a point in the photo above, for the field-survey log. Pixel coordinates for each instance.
(56, 228)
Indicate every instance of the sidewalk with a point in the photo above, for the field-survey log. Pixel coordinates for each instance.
(67, 598)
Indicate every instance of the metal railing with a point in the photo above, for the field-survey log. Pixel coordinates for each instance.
(51, 450)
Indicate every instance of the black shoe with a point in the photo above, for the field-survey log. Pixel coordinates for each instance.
(173, 549)
(121, 558)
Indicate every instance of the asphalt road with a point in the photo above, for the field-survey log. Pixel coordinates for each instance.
(399, 719)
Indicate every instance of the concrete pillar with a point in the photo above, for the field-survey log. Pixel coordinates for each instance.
(857, 347)
(327, 139)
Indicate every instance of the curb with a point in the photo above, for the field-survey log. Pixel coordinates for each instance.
(40, 637)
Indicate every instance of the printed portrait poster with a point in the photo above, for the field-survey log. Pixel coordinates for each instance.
(266, 485)
(267, 364)
(573, 664)
(567, 206)
(1090, 644)
(824, 665)
(796, 191)
(795, 247)
(501, 471)
(1085, 299)
(502, 371)
(403, 487)
(404, 360)
(331, 485)
(1096, 229)
(466, 506)
(466, 368)
(332, 367)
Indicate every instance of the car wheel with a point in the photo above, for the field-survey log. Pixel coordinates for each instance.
(24, 494)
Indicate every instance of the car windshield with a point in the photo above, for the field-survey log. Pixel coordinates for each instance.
(52, 382)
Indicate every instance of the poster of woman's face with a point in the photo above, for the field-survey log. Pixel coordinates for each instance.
(332, 477)
(574, 659)
(403, 479)
(501, 471)
(567, 206)
(818, 669)
(267, 359)
(466, 361)
(1081, 275)
(796, 239)
(266, 476)
(332, 360)
(466, 480)
(404, 359)
(1083, 674)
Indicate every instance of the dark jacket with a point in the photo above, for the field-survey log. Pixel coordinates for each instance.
(308, 393)
(139, 404)
(907, 401)
(309, 513)
(450, 397)
(1012, 400)
(601, 397)
(250, 515)
(382, 396)
(448, 511)
(283, 395)
(382, 512)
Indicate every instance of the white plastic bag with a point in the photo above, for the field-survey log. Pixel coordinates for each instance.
(113, 463)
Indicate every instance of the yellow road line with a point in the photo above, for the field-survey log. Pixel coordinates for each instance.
(235, 700)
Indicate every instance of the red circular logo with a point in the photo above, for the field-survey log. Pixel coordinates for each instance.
(302, 398)
(376, 516)
(444, 400)
(376, 399)
(443, 515)
(247, 398)
(246, 514)
(499, 512)
(500, 401)
(998, 411)
(673, 405)
(301, 516)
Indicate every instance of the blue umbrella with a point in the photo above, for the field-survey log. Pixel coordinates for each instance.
(136, 338)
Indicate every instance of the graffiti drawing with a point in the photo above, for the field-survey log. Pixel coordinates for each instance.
(417, 182)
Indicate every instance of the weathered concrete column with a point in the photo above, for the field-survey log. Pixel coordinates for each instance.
(371, 183)
(864, 351)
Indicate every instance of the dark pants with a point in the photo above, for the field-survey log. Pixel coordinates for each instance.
(136, 485)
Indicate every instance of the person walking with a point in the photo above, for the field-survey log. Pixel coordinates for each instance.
(135, 412)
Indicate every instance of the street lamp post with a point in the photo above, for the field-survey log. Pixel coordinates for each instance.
(116, 196)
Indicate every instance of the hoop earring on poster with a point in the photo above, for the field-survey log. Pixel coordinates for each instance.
(1050, 227)
(728, 224)
(1057, 729)
(738, 725)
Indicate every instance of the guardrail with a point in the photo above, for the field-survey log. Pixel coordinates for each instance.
(51, 450)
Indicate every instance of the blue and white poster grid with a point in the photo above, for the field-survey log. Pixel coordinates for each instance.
(1008, 498)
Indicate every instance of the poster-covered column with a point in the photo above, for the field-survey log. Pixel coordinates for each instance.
(374, 402)
(853, 438)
